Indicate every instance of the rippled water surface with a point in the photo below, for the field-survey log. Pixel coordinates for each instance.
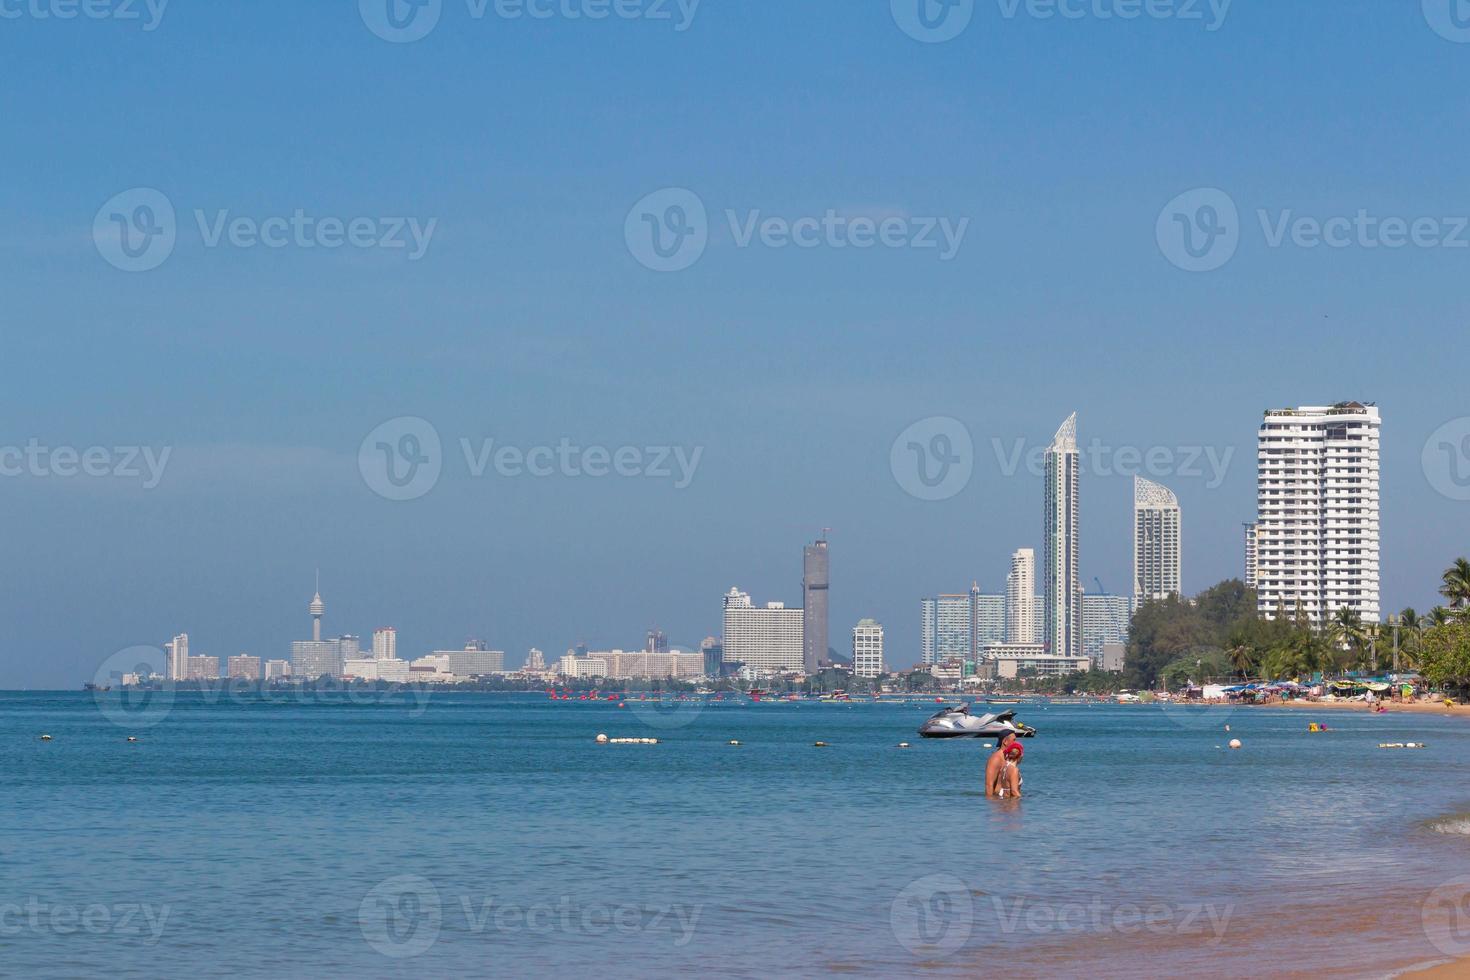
(490, 835)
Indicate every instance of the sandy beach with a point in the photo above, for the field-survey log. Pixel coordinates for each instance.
(1418, 707)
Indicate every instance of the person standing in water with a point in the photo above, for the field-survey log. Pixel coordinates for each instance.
(995, 766)
(1010, 772)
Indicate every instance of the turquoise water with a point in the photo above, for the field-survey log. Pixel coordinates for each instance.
(490, 835)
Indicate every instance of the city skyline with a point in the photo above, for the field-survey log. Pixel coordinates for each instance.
(887, 610)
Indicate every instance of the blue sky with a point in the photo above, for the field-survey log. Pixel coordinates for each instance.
(528, 320)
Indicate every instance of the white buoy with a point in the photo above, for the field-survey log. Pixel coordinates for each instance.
(734, 741)
(601, 739)
(1235, 743)
(1227, 728)
(903, 745)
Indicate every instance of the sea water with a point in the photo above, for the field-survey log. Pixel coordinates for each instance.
(476, 834)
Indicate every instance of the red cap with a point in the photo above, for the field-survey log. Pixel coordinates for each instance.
(1014, 750)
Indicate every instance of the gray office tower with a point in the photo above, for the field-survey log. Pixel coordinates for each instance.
(815, 575)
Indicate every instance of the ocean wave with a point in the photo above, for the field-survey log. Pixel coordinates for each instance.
(1457, 824)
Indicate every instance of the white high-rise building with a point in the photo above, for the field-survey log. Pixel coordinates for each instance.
(1021, 598)
(957, 626)
(1250, 556)
(867, 648)
(177, 651)
(1156, 542)
(1060, 583)
(1317, 534)
(766, 640)
(535, 660)
(385, 643)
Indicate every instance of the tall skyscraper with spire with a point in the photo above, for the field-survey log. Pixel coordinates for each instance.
(1156, 544)
(318, 609)
(1061, 585)
(815, 576)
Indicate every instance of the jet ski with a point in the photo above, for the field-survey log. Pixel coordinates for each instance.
(957, 722)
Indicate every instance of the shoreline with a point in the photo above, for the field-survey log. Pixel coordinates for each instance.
(1422, 708)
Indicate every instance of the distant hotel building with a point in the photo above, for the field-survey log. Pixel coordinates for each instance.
(1250, 556)
(474, 661)
(867, 649)
(1007, 661)
(277, 668)
(815, 578)
(203, 669)
(177, 653)
(960, 626)
(1060, 584)
(633, 665)
(243, 667)
(1105, 621)
(1317, 534)
(1156, 542)
(766, 640)
(385, 643)
(1021, 606)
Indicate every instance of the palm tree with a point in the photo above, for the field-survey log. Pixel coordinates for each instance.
(1439, 616)
(1456, 584)
(1242, 658)
(1346, 631)
(1412, 639)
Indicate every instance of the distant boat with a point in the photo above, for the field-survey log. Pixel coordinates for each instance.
(95, 687)
(1002, 700)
